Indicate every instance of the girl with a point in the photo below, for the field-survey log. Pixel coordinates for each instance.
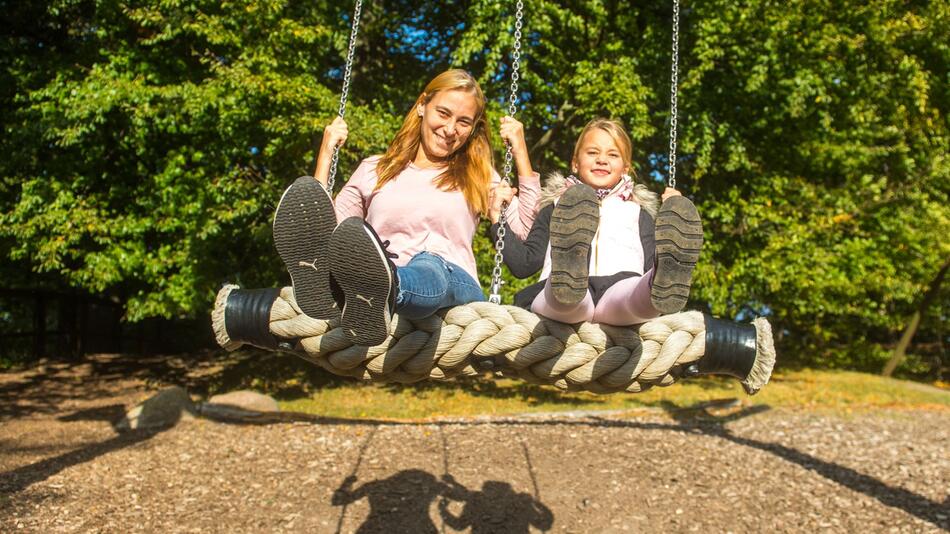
(602, 257)
(408, 217)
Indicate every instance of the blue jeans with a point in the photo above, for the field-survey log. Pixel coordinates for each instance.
(428, 283)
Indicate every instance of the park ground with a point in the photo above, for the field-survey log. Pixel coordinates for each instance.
(835, 452)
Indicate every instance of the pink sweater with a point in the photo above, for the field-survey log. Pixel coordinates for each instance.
(415, 216)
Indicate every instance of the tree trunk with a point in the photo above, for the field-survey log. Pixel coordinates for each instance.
(901, 349)
(565, 114)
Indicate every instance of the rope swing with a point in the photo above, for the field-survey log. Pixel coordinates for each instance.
(482, 336)
(488, 337)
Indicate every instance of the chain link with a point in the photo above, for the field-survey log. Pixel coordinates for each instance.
(674, 79)
(495, 295)
(347, 74)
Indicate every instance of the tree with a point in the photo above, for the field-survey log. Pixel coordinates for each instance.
(148, 142)
(812, 137)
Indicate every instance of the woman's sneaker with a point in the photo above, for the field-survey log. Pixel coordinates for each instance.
(303, 223)
(362, 267)
(679, 239)
(573, 226)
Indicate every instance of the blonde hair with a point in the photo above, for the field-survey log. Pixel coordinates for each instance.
(618, 133)
(469, 168)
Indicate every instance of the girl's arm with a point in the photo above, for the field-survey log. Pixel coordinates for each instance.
(526, 257)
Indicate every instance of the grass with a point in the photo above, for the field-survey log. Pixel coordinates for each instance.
(840, 391)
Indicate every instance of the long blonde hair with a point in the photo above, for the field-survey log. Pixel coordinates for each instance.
(618, 133)
(469, 168)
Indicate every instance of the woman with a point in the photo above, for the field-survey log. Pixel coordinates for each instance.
(404, 243)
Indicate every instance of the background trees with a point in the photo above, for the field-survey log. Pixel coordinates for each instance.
(146, 143)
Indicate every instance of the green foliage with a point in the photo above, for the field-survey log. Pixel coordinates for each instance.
(146, 143)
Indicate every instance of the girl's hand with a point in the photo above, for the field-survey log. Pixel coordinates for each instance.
(670, 192)
(501, 193)
(335, 134)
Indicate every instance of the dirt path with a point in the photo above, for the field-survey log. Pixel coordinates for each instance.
(63, 468)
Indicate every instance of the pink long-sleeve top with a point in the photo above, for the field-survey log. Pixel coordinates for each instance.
(415, 215)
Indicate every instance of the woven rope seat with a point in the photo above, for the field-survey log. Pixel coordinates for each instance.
(511, 341)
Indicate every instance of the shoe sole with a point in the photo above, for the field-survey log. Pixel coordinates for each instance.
(573, 226)
(679, 239)
(359, 266)
(303, 223)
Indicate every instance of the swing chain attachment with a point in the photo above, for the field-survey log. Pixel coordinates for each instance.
(347, 75)
(674, 77)
(495, 295)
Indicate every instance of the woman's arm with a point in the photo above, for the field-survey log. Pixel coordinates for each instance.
(353, 198)
(334, 135)
(522, 210)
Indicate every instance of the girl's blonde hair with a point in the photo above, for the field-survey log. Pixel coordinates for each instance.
(618, 133)
(469, 168)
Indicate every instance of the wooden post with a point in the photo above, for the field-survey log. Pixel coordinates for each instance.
(83, 303)
(39, 326)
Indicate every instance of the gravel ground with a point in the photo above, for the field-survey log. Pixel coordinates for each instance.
(63, 468)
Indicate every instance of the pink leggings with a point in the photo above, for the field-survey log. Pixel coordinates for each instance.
(625, 303)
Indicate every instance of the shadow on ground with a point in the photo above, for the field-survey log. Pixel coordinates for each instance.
(705, 419)
(43, 390)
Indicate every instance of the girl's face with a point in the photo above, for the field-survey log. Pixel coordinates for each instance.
(447, 123)
(599, 163)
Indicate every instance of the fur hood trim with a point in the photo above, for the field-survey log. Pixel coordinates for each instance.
(556, 183)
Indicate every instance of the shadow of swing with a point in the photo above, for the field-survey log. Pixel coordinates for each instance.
(401, 502)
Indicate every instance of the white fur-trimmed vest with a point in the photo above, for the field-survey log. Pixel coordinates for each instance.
(616, 246)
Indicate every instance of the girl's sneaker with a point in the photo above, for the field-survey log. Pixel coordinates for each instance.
(679, 239)
(302, 226)
(573, 226)
(361, 265)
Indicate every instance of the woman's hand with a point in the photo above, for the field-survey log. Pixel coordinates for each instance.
(512, 131)
(334, 135)
(670, 192)
(501, 193)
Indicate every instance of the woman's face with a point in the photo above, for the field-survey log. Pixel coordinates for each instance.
(447, 122)
(599, 163)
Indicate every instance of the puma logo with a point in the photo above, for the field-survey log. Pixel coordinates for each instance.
(368, 301)
(312, 265)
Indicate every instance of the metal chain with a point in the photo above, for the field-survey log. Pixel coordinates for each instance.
(674, 76)
(347, 74)
(495, 295)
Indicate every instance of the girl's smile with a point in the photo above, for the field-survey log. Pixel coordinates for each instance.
(599, 162)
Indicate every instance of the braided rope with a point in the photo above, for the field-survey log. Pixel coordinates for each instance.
(466, 339)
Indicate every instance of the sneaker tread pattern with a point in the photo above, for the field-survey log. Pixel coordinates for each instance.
(303, 223)
(679, 240)
(573, 227)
